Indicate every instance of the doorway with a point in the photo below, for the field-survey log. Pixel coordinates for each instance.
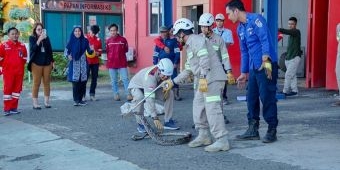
(193, 13)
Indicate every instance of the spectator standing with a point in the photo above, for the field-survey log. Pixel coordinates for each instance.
(77, 67)
(13, 56)
(259, 66)
(41, 64)
(116, 48)
(93, 60)
(293, 57)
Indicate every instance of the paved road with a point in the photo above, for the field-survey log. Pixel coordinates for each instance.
(96, 137)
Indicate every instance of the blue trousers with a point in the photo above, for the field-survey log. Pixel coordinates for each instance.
(261, 88)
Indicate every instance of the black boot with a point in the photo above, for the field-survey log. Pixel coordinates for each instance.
(226, 120)
(270, 136)
(252, 132)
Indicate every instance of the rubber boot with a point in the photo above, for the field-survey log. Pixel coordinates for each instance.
(270, 136)
(222, 144)
(176, 92)
(252, 132)
(202, 139)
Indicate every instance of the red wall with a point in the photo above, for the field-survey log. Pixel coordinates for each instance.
(317, 44)
(218, 6)
(136, 32)
(332, 44)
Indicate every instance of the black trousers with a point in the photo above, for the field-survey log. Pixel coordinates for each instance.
(93, 68)
(79, 90)
(224, 94)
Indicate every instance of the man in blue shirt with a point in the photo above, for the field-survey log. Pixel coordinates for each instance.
(259, 66)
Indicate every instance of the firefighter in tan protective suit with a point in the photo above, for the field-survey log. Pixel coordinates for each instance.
(337, 67)
(204, 63)
(143, 83)
(206, 22)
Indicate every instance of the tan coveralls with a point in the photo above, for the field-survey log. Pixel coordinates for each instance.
(337, 67)
(141, 86)
(218, 44)
(202, 60)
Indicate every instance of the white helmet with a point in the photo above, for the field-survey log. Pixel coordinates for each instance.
(166, 67)
(206, 19)
(219, 16)
(184, 24)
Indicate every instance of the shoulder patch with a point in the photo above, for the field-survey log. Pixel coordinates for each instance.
(258, 23)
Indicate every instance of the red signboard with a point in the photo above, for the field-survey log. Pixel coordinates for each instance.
(86, 6)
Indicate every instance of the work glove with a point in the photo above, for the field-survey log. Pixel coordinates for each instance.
(267, 65)
(167, 86)
(158, 124)
(203, 85)
(231, 78)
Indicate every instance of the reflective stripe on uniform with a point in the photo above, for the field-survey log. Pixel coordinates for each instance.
(187, 66)
(225, 55)
(155, 54)
(216, 48)
(213, 99)
(152, 95)
(16, 95)
(148, 71)
(190, 55)
(7, 97)
(202, 52)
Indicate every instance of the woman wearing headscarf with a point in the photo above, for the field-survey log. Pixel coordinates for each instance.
(77, 67)
(41, 64)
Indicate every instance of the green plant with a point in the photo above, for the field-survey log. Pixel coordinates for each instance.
(60, 62)
(20, 18)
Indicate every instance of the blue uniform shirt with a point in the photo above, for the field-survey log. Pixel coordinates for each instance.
(225, 33)
(255, 41)
(174, 54)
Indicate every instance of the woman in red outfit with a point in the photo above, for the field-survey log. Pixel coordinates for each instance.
(93, 60)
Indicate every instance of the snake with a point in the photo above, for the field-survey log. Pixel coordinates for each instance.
(158, 138)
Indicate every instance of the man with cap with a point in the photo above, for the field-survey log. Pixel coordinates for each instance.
(168, 49)
(227, 37)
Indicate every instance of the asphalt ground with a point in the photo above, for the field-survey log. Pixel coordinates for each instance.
(308, 135)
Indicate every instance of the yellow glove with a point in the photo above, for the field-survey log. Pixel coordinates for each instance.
(158, 124)
(231, 78)
(166, 94)
(267, 65)
(203, 85)
(167, 85)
